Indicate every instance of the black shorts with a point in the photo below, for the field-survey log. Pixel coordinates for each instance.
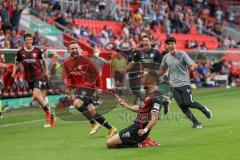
(86, 95)
(130, 135)
(41, 84)
(183, 95)
(118, 76)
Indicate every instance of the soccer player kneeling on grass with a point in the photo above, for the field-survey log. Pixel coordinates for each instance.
(136, 135)
(83, 85)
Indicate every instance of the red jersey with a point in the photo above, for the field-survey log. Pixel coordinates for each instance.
(151, 103)
(80, 72)
(32, 61)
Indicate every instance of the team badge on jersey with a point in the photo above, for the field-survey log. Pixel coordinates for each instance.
(34, 55)
(151, 55)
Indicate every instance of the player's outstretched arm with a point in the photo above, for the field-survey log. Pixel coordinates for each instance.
(161, 71)
(128, 67)
(2, 65)
(133, 108)
(150, 124)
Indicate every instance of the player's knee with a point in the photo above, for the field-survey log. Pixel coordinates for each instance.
(36, 95)
(187, 104)
(183, 108)
(92, 111)
(109, 144)
(77, 103)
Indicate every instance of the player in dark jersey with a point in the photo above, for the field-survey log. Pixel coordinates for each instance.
(36, 73)
(149, 58)
(147, 116)
(84, 83)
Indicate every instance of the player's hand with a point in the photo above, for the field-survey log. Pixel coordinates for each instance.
(13, 75)
(6, 65)
(141, 132)
(70, 95)
(145, 71)
(124, 72)
(122, 102)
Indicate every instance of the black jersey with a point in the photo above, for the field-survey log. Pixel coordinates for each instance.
(149, 59)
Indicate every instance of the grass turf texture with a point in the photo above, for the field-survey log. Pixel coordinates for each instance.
(218, 139)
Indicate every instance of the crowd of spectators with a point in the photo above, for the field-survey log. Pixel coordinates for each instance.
(207, 71)
(164, 16)
(154, 15)
(9, 24)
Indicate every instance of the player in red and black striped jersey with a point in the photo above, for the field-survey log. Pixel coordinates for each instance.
(147, 116)
(84, 83)
(36, 73)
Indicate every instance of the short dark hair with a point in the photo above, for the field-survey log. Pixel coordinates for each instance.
(27, 35)
(170, 39)
(153, 74)
(146, 36)
(72, 42)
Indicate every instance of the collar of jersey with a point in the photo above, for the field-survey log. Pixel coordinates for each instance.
(29, 50)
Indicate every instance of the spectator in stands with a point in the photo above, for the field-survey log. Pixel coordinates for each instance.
(232, 42)
(16, 17)
(2, 37)
(167, 24)
(39, 40)
(209, 80)
(226, 42)
(103, 39)
(225, 70)
(6, 44)
(101, 5)
(21, 39)
(93, 40)
(202, 46)
(126, 18)
(62, 21)
(49, 9)
(231, 17)
(200, 25)
(4, 12)
(190, 44)
(196, 78)
(14, 39)
(76, 31)
(217, 67)
(219, 15)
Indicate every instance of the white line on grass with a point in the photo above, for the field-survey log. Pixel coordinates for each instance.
(39, 120)
(20, 123)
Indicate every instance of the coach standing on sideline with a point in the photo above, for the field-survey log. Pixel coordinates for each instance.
(178, 63)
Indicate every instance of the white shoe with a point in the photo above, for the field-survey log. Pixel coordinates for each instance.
(94, 128)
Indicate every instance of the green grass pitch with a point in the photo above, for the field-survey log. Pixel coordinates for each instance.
(22, 136)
